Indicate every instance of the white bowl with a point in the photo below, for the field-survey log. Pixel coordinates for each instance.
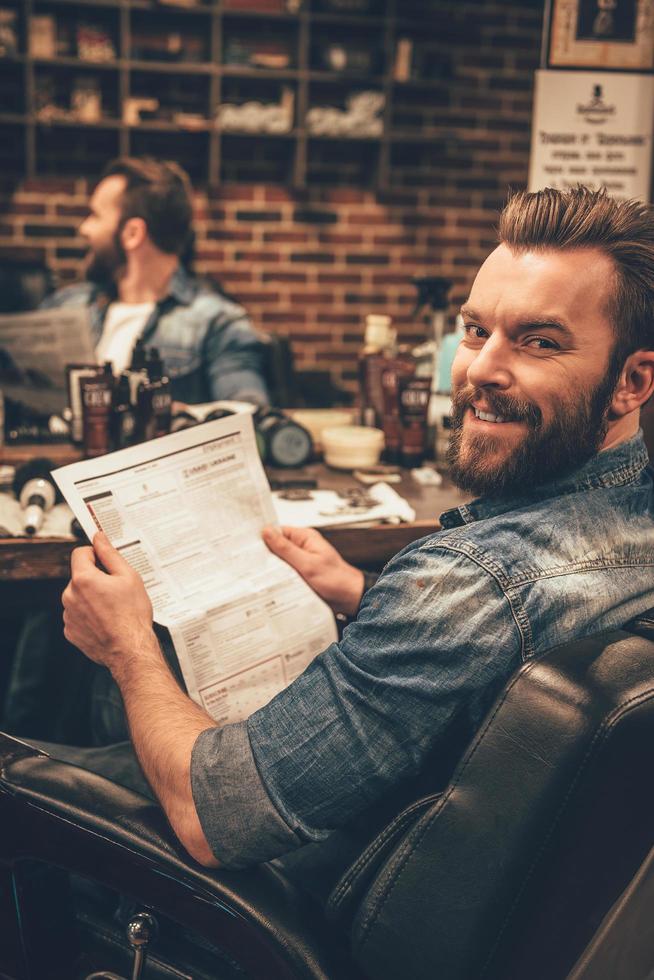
(351, 447)
(317, 419)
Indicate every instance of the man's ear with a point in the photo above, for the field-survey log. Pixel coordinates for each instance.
(636, 383)
(133, 233)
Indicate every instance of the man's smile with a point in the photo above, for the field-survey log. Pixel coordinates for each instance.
(485, 419)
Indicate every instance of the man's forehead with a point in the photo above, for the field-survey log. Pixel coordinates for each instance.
(563, 283)
(109, 191)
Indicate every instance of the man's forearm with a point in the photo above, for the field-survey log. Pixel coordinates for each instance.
(164, 724)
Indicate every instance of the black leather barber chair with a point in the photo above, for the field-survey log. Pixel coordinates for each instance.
(506, 875)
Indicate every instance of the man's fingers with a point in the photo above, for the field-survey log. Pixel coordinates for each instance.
(105, 552)
(81, 559)
(282, 546)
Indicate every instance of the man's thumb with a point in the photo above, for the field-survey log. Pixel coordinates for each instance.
(281, 546)
(107, 555)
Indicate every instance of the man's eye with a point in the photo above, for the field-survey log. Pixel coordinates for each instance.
(541, 343)
(473, 332)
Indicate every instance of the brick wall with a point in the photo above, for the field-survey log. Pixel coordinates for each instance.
(312, 264)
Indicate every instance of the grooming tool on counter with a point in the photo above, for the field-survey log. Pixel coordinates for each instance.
(36, 492)
(281, 441)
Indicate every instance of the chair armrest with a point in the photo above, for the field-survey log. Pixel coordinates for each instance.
(57, 813)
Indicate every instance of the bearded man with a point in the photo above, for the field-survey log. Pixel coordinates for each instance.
(138, 231)
(556, 362)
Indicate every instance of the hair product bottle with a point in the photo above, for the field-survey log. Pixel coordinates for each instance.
(137, 372)
(403, 365)
(414, 403)
(161, 401)
(123, 419)
(97, 397)
(378, 347)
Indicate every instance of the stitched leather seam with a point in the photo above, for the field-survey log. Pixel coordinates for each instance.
(402, 818)
(405, 851)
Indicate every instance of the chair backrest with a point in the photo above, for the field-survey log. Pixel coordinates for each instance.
(623, 946)
(509, 873)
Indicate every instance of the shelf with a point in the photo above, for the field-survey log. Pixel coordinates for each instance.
(163, 126)
(324, 138)
(350, 20)
(77, 63)
(232, 133)
(214, 154)
(276, 15)
(77, 124)
(346, 78)
(243, 71)
(143, 6)
(177, 67)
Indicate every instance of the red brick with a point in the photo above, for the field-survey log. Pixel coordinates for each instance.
(339, 238)
(286, 237)
(232, 192)
(256, 256)
(283, 276)
(283, 316)
(339, 278)
(72, 210)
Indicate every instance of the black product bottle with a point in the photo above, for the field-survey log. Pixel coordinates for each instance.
(137, 372)
(123, 419)
(159, 393)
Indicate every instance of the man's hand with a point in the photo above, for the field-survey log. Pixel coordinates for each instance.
(319, 564)
(107, 612)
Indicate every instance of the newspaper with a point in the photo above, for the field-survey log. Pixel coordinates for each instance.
(34, 351)
(186, 511)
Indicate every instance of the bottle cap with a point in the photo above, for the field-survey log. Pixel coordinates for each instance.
(138, 356)
(154, 365)
(379, 332)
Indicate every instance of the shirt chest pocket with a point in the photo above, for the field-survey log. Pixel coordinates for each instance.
(180, 362)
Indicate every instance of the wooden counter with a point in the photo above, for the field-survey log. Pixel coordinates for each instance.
(41, 560)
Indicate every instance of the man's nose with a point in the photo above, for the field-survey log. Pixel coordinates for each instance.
(491, 365)
(82, 230)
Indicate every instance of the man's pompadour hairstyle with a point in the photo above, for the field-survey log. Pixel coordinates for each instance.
(581, 218)
(158, 191)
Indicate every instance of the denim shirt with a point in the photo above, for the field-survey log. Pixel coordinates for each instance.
(209, 347)
(451, 617)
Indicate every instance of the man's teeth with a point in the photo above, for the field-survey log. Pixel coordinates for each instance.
(488, 417)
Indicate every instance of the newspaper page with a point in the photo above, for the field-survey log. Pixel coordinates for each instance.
(186, 511)
(34, 351)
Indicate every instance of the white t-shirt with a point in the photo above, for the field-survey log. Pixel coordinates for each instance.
(123, 324)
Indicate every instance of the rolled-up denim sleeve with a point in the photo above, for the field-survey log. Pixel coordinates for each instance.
(238, 818)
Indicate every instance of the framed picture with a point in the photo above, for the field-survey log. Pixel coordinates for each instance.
(607, 34)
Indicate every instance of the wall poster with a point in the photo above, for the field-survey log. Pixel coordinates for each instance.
(593, 128)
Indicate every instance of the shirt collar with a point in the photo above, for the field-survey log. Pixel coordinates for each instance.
(180, 288)
(611, 467)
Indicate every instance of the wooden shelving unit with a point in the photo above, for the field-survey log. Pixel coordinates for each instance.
(152, 41)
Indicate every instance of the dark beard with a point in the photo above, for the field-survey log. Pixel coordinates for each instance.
(106, 263)
(547, 452)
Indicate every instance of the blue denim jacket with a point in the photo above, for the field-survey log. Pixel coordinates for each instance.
(209, 347)
(449, 620)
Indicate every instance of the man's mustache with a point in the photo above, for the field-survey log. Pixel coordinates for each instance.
(506, 406)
